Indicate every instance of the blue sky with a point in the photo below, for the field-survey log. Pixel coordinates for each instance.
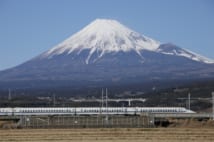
(30, 27)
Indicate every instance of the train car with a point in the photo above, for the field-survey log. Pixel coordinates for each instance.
(19, 111)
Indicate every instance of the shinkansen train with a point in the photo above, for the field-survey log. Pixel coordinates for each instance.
(18, 111)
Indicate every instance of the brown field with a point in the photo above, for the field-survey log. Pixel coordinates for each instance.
(109, 135)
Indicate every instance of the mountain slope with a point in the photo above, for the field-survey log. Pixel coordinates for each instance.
(105, 52)
(103, 36)
(106, 36)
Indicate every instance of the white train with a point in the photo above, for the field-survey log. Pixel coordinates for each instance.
(90, 110)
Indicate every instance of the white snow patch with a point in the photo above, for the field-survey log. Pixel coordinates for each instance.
(105, 36)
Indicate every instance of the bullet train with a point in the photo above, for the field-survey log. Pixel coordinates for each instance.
(19, 111)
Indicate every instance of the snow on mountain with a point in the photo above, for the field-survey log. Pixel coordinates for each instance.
(104, 36)
(104, 53)
(170, 49)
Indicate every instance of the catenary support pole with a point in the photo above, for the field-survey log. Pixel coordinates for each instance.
(189, 106)
(213, 103)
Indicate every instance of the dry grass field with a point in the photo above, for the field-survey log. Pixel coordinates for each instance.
(108, 135)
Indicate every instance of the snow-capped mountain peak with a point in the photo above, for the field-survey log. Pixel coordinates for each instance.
(108, 53)
(104, 36)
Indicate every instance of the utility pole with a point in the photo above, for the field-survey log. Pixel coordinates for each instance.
(106, 106)
(9, 95)
(106, 98)
(213, 103)
(189, 101)
(102, 98)
(54, 100)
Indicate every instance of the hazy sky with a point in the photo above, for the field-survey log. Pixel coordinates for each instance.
(30, 27)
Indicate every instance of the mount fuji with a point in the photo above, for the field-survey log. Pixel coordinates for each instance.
(107, 52)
